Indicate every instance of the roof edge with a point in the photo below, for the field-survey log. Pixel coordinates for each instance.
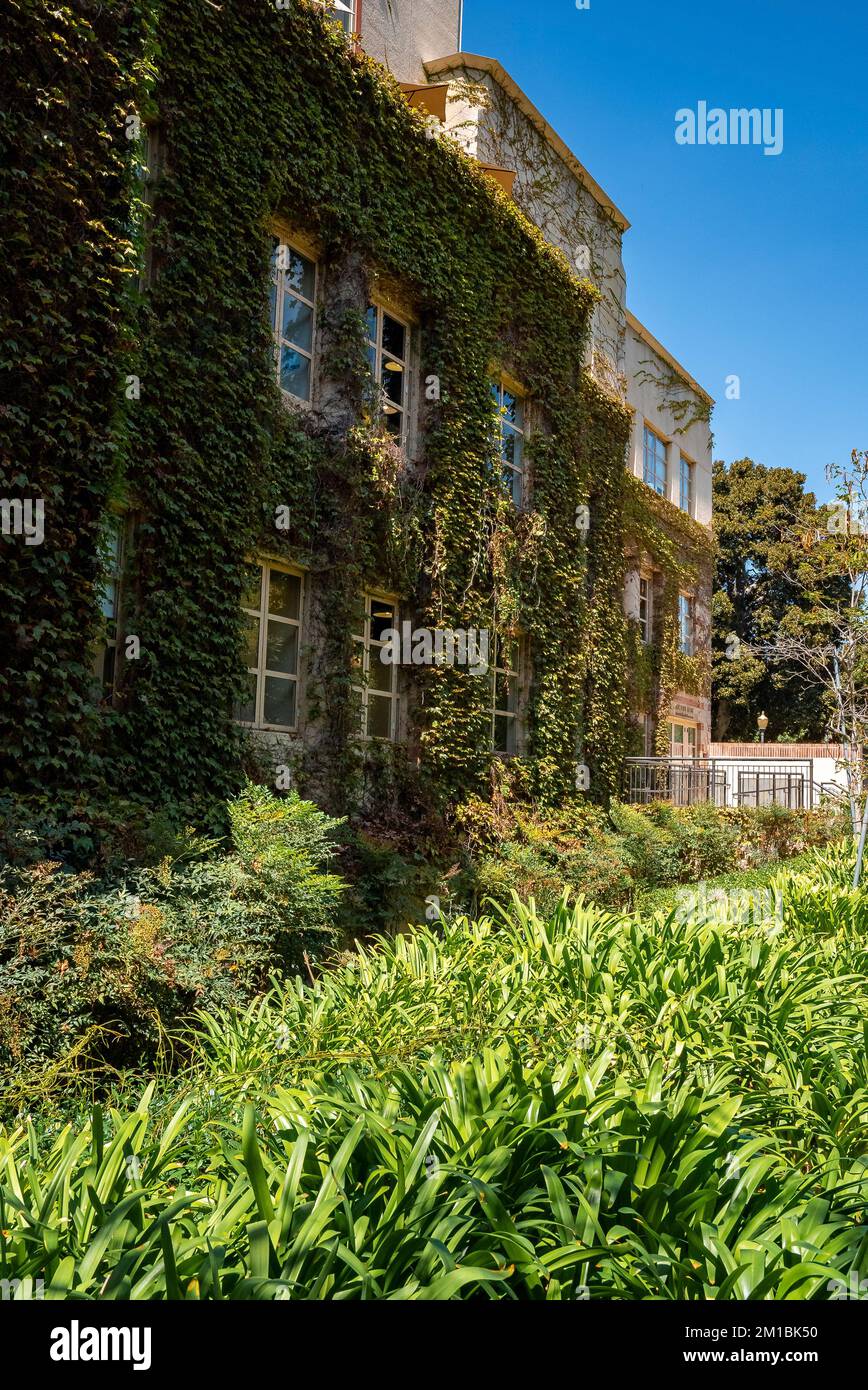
(648, 337)
(435, 67)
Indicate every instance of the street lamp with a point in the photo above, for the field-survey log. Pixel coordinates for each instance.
(762, 724)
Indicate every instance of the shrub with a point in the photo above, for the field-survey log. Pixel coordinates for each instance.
(83, 960)
(585, 1106)
(542, 854)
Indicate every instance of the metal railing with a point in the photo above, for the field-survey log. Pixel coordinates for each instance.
(724, 782)
(683, 781)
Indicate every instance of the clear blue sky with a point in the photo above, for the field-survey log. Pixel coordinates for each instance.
(737, 261)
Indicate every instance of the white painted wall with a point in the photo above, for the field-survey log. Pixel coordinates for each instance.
(490, 125)
(405, 34)
(651, 404)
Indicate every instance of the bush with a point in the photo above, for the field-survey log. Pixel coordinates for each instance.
(542, 854)
(115, 967)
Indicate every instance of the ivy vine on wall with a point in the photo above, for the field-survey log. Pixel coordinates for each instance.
(267, 114)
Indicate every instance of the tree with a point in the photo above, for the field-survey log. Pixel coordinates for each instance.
(824, 634)
(761, 515)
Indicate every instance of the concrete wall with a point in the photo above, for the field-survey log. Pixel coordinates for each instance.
(405, 34)
(657, 396)
(488, 123)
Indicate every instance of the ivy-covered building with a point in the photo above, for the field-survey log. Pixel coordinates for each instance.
(355, 466)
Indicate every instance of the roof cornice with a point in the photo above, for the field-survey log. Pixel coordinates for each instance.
(437, 67)
(648, 337)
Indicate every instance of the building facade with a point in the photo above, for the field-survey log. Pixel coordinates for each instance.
(384, 490)
(487, 113)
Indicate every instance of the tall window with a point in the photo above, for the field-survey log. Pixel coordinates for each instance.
(112, 557)
(685, 490)
(511, 432)
(654, 471)
(388, 340)
(375, 683)
(272, 605)
(505, 686)
(645, 609)
(685, 624)
(293, 311)
(682, 740)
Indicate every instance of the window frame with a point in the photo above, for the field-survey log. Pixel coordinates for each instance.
(515, 716)
(364, 690)
(686, 624)
(262, 672)
(375, 345)
(501, 385)
(650, 474)
(644, 601)
(686, 466)
(687, 727)
(277, 294)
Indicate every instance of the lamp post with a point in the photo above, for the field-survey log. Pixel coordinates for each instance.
(762, 724)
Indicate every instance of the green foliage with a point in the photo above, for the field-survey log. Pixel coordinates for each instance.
(543, 854)
(70, 74)
(664, 844)
(111, 968)
(205, 454)
(766, 569)
(587, 1105)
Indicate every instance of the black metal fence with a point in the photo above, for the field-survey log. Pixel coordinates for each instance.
(772, 789)
(723, 782)
(683, 781)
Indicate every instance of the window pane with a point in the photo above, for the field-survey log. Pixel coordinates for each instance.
(279, 701)
(382, 617)
(295, 373)
(379, 717)
(371, 320)
(300, 274)
(393, 385)
(108, 592)
(504, 734)
(394, 423)
(281, 648)
(251, 641)
(505, 693)
(379, 673)
(297, 322)
(284, 594)
(511, 409)
(393, 337)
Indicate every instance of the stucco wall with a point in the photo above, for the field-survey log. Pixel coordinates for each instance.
(491, 126)
(407, 33)
(657, 397)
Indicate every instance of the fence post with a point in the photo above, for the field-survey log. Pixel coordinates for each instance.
(860, 853)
